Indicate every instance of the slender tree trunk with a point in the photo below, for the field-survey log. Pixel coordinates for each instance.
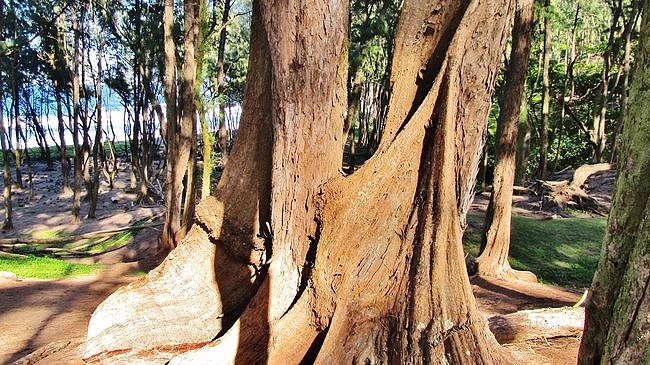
(16, 119)
(222, 134)
(617, 315)
(630, 24)
(599, 138)
(493, 260)
(39, 131)
(396, 295)
(546, 94)
(181, 134)
(97, 143)
(354, 99)
(63, 151)
(206, 139)
(6, 171)
(171, 217)
(30, 171)
(78, 155)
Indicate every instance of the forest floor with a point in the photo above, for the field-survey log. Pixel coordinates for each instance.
(48, 318)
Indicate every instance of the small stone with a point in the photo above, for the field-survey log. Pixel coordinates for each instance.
(8, 275)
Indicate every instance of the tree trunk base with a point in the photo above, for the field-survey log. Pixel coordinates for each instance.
(503, 272)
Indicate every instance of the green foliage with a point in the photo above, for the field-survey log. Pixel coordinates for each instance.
(372, 29)
(100, 245)
(32, 267)
(235, 58)
(559, 251)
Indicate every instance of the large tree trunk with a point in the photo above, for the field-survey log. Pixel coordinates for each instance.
(495, 247)
(617, 315)
(274, 270)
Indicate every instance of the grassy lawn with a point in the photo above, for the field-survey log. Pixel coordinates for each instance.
(43, 267)
(30, 266)
(559, 251)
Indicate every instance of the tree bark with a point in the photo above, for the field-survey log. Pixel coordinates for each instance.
(97, 143)
(222, 133)
(524, 137)
(181, 127)
(546, 94)
(170, 88)
(16, 120)
(493, 260)
(392, 288)
(630, 24)
(76, 107)
(6, 172)
(618, 309)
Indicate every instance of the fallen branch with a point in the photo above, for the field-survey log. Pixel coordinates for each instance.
(557, 196)
(537, 324)
(83, 236)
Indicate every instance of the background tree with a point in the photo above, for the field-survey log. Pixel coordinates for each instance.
(181, 122)
(493, 259)
(546, 94)
(372, 32)
(273, 235)
(618, 312)
(6, 174)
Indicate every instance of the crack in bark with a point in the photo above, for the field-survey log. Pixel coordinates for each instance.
(308, 265)
(441, 337)
(635, 314)
(427, 75)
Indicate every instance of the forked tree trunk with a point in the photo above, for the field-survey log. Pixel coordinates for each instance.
(617, 313)
(181, 126)
(495, 247)
(290, 261)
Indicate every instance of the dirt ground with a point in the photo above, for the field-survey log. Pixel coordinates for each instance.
(48, 318)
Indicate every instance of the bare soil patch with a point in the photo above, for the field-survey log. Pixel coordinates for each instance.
(35, 313)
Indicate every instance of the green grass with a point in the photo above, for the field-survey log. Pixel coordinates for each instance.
(103, 244)
(32, 267)
(559, 251)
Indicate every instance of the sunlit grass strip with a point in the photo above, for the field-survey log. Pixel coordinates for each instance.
(32, 267)
(559, 251)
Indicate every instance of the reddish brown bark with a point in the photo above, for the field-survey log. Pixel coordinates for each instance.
(493, 260)
(546, 95)
(181, 126)
(365, 268)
